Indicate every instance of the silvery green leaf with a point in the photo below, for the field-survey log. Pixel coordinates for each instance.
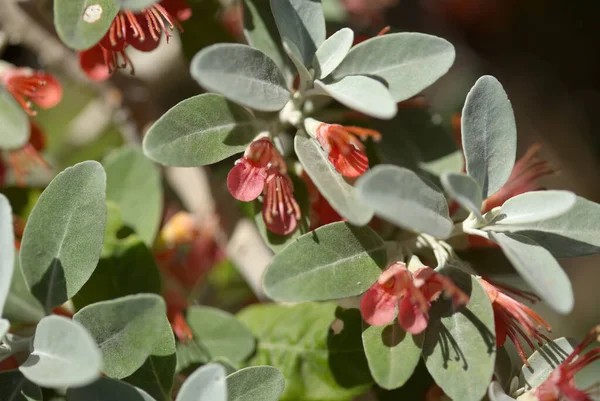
(15, 129)
(402, 197)
(260, 30)
(360, 93)
(489, 135)
(332, 52)
(342, 196)
(7, 250)
(497, 393)
(4, 326)
(465, 190)
(539, 269)
(15, 387)
(294, 54)
(107, 389)
(531, 207)
(21, 306)
(242, 74)
(206, 384)
(136, 5)
(255, 383)
(408, 62)
(544, 360)
(302, 22)
(64, 354)
(81, 24)
(63, 237)
(198, 131)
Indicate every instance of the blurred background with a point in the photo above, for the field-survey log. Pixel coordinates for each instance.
(545, 53)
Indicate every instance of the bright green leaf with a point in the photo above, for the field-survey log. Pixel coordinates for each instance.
(332, 52)
(107, 389)
(403, 198)
(242, 74)
(7, 250)
(198, 131)
(82, 23)
(13, 120)
(63, 237)
(64, 354)
(464, 190)
(539, 269)
(361, 93)
(125, 329)
(15, 387)
(342, 196)
(133, 182)
(534, 206)
(205, 384)
(256, 383)
(489, 135)
(460, 346)
(408, 62)
(334, 261)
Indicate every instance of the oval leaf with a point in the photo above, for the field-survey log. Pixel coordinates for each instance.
(393, 354)
(332, 52)
(342, 196)
(205, 384)
(13, 120)
(534, 206)
(125, 329)
(15, 387)
(489, 135)
(402, 197)
(257, 383)
(334, 261)
(200, 130)
(302, 22)
(539, 269)
(497, 393)
(133, 182)
(294, 54)
(464, 190)
(63, 238)
(21, 306)
(64, 354)
(107, 389)
(408, 62)
(544, 360)
(136, 5)
(242, 74)
(4, 326)
(82, 23)
(460, 346)
(7, 250)
(363, 94)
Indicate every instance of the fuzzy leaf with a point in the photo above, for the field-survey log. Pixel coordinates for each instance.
(531, 207)
(464, 190)
(13, 120)
(82, 23)
(136, 5)
(332, 52)
(256, 383)
(7, 250)
(21, 306)
(15, 387)
(544, 360)
(206, 384)
(294, 54)
(106, 389)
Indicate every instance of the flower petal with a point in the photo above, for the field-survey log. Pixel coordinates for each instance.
(351, 165)
(92, 63)
(411, 317)
(50, 94)
(378, 305)
(177, 8)
(246, 182)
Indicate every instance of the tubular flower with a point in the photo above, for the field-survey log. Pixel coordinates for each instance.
(346, 152)
(412, 293)
(560, 385)
(30, 87)
(246, 179)
(280, 209)
(141, 30)
(23, 160)
(513, 319)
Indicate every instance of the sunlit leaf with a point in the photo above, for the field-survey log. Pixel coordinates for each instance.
(7, 250)
(531, 207)
(544, 360)
(256, 383)
(332, 52)
(206, 384)
(496, 393)
(82, 23)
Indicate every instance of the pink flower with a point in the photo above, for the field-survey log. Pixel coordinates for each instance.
(412, 293)
(30, 87)
(560, 385)
(246, 180)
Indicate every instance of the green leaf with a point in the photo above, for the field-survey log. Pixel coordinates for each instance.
(408, 62)
(497, 393)
(7, 250)
(332, 52)
(15, 387)
(393, 354)
(63, 237)
(459, 347)
(21, 306)
(531, 207)
(205, 384)
(256, 383)
(293, 53)
(64, 354)
(544, 360)
(4, 327)
(539, 269)
(361, 93)
(133, 182)
(293, 339)
(464, 190)
(574, 233)
(125, 329)
(302, 22)
(242, 74)
(199, 131)
(82, 23)
(220, 333)
(136, 5)
(13, 120)
(106, 389)
(334, 261)
(402, 197)
(489, 135)
(342, 196)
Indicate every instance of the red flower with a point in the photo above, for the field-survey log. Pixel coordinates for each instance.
(412, 293)
(280, 209)
(30, 87)
(246, 179)
(23, 160)
(513, 319)
(346, 152)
